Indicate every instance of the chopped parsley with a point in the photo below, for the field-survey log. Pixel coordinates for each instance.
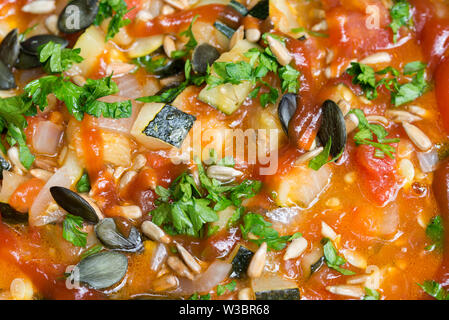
(400, 17)
(435, 231)
(79, 100)
(92, 250)
(197, 296)
(371, 294)
(302, 30)
(323, 158)
(229, 287)
(72, 230)
(185, 209)
(55, 59)
(367, 132)
(83, 184)
(365, 76)
(333, 260)
(190, 45)
(435, 290)
(256, 225)
(116, 10)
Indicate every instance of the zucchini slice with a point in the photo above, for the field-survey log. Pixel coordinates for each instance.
(223, 28)
(241, 258)
(240, 8)
(260, 10)
(275, 288)
(229, 97)
(161, 126)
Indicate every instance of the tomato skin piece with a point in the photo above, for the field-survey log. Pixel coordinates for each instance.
(23, 197)
(442, 91)
(378, 175)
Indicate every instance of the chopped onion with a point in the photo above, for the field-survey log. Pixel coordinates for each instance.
(216, 273)
(11, 181)
(129, 87)
(47, 137)
(65, 176)
(428, 160)
(122, 125)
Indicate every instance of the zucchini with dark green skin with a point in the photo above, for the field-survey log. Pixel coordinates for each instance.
(240, 8)
(240, 262)
(274, 287)
(223, 28)
(260, 10)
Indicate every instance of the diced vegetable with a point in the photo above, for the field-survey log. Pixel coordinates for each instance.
(223, 218)
(260, 10)
(301, 186)
(144, 46)
(228, 97)
(10, 183)
(275, 288)
(161, 126)
(223, 28)
(241, 258)
(116, 149)
(92, 45)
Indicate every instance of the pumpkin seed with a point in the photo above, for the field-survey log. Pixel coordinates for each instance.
(74, 204)
(78, 15)
(10, 48)
(101, 270)
(31, 45)
(7, 80)
(203, 56)
(107, 233)
(332, 127)
(286, 109)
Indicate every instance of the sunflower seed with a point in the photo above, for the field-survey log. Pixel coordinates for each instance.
(253, 34)
(188, 259)
(179, 267)
(39, 7)
(222, 173)
(280, 51)
(380, 57)
(257, 263)
(418, 137)
(399, 116)
(347, 290)
(308, 155)
(295, 248)
(165, 283)
(327, 231)
(155, 233)
(238, 35)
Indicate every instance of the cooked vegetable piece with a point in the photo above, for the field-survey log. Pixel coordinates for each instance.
(161, 126)
(223, 28)
(237, 6)
(260, 10)
(228, 97)
(275, 288)
(101, 270)
(240, 261)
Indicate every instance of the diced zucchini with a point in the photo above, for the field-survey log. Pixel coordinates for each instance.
(223, 218)
(260, 10)
(240, 258)
(161, 126)
(275, 288)
(240, 8)
(223, 28)
(144, 46)
(229, 97)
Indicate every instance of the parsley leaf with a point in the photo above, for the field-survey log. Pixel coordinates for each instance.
(400, 17)
(190, 45)
(196, 296)
(323, 158)
(365, 77)
(55, 59)
(368, 131)
(221, 289)
(83, 184)
(435, 231)
(72, 232)
(116, 10)
(371, 294)
(333, 260)
(255, 224)
(435, 290)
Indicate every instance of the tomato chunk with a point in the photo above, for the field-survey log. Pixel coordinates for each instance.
(378, 175)
(23, 197)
